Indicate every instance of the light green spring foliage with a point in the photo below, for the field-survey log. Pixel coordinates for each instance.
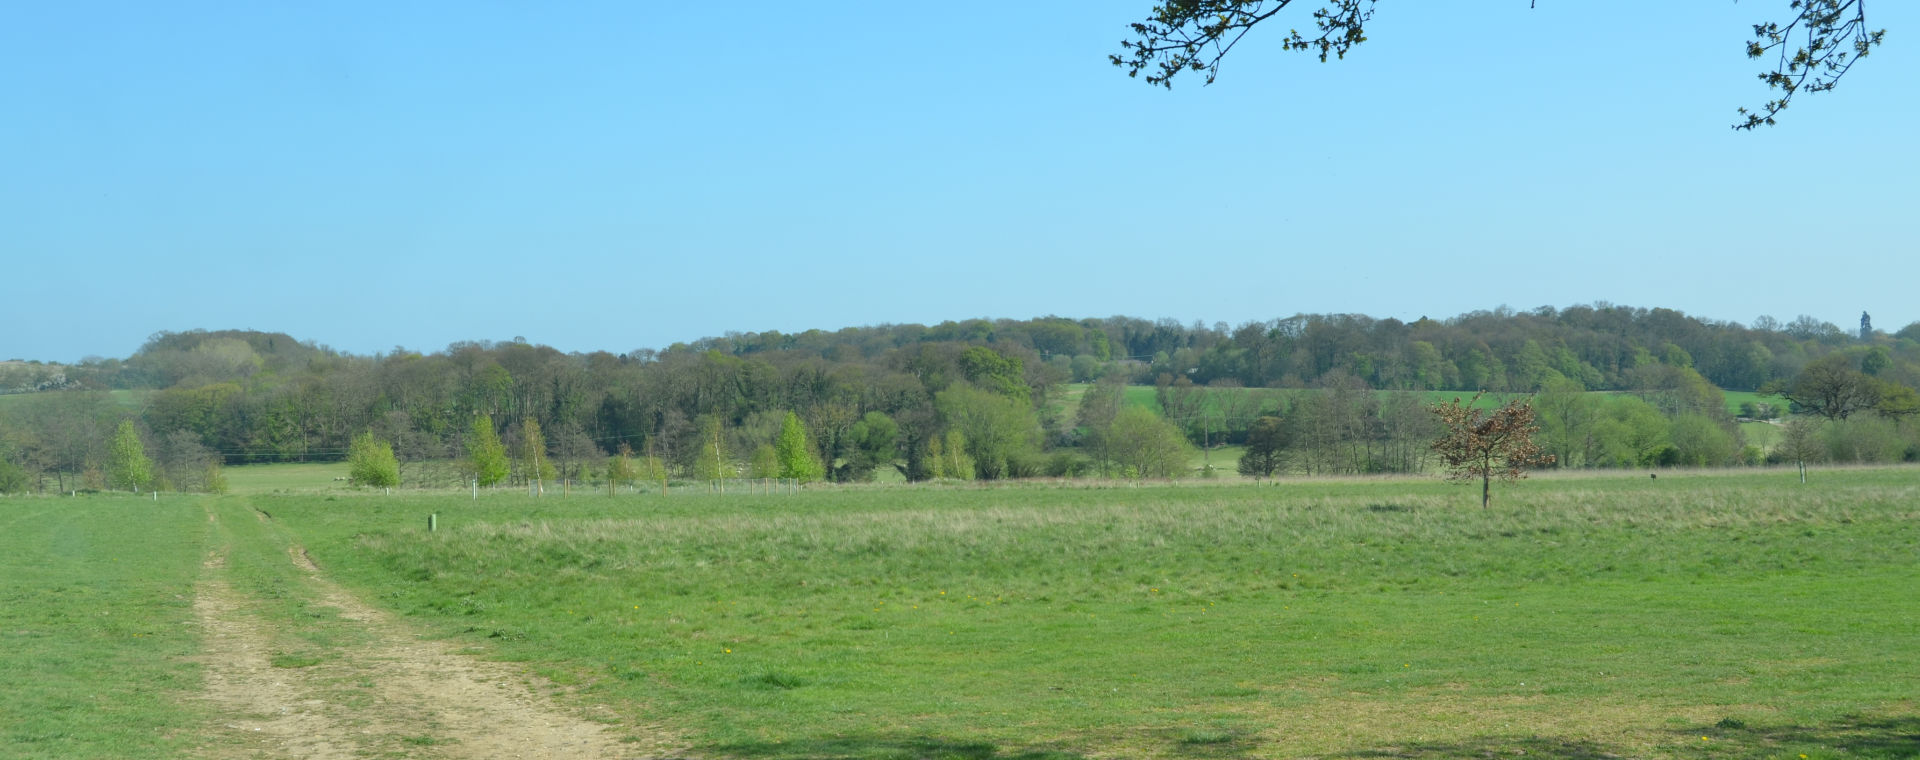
(999, 429)
(533, 451)
(795, 454)
(651, 469)
(875, 442)
(955, 459)
(936, 458)
(127, 463)
(620, 469)
(765, 462)
(486, 457)
(710, 460)
(1145, 445)
(13, 479)
(370, 462)
(216, 477)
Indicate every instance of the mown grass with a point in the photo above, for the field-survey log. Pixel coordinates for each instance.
(1736, 398)
(292, 476)
(100, 648)
(1723, 615)
(96, 641)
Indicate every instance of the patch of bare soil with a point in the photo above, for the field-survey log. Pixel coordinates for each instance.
(390, 695)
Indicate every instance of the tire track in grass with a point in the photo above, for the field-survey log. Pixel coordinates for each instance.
(389, 694)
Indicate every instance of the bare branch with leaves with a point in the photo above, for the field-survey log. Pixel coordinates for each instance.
(1833, 36)
(1813, 49)
(1195, 35)
(1482, 446)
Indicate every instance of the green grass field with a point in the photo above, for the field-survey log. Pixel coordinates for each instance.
(1599, 614)
(1736, 398)
(1727, 614)
(303, 477)
(96, 596)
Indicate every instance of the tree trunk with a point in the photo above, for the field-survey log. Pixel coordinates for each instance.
(1486, 491)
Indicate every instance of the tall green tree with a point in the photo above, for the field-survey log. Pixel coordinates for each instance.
(794, 453)
(952, 456)
(999, 429)
(127, 463)
(1266, 448)
(1800, 443)
(370, 462)
(1829, 387)
(1098, 406)
(873, 443)
(710, 458)
(1145, 445)
(764, 463)
(534, 463)
(988, 369)
(486, 456)
(620, 469)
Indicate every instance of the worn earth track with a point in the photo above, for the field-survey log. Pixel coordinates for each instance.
(386, 693)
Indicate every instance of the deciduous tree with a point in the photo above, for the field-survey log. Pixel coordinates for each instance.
(1816, 45)
(1266, 448)
(998, 429)
(620, 469)
(710, 458)
(127, 463)
(1145, 445)
(486, 457)
(1800, 443)
(1829, 387)
(873, 442)
(533, 454)
(794, 454)
(1482, 446)
(370, 462)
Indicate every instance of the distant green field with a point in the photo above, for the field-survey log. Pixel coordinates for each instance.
(294, 477)
(1697, 616)
(123, 398)
(1736, 398)
(1146, 396)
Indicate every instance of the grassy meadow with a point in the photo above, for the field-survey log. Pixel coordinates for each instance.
(96, 643)
(1732, 614)
(1698, 615)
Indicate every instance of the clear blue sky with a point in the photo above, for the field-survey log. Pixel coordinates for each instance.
(625, 175)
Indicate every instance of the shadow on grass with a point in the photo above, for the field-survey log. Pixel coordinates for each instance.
(886, 748)
(1861, 737)
(1497, 746)
(1855, 738)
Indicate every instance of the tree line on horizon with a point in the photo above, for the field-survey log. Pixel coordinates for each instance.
(975, 399)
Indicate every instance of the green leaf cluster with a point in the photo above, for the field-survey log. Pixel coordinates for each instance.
(370, 462)
(486, 456)
(793, 454)
(127, 463)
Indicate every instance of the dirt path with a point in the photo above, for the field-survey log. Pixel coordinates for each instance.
(387, 694)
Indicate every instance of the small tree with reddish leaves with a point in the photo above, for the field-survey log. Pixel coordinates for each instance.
(1481, 445)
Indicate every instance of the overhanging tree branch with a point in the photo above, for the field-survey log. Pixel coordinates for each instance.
(1812, 50)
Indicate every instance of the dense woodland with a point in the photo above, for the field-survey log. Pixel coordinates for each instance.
(988, 399)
